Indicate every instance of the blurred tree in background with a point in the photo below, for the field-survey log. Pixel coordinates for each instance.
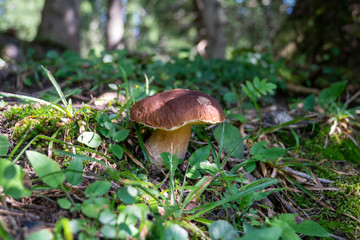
(115, 25)
(309, 33)
(211, 29)
(323, 34)
(60, 23)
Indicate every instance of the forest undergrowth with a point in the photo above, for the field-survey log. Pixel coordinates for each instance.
(74, 166)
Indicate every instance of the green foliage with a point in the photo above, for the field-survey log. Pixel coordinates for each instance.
(74, 171)
(45, 234)
(231, 139)
(222, 230)
(127, 194)
(259, 152)
(90, 139)
(199, 156)
(175, 232)
(11, 179)
(4, 145)
(117, 150)
(328, 96)
(257, 88)
(46, 168)
(122, 212)
(213, 76)
(285, 227)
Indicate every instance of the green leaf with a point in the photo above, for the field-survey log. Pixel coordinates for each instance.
(109, 231)
(274, 153)
(249, 189)
(270, 87)
(248, 92)
(255, 89)
(43, 234)
(121, 135)
(64, 203)
(258, 86)
(74, 171)
(11, 179)
(232, 137)
(330, 94)
(211, 168)
(222, 230)
(4, 145)
(268, 233)
(306, 227)
(311, 228)
(199, 155)
(107, 217)
(170, 161)
(175, 232)
(46, 168)
(90, 139)
(117, 150)
(309, 103)
(250, 166)
(127, 194)
(97, 188)
(193, 173)
(92, 207)
(252, 89)
(56, 85)
(288, 232)
(230, 98)
(258, 148)
(240, 117)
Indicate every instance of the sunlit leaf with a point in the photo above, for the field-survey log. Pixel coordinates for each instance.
(74, 171)
(222, 230)
(127, 194)
(4, 145)
(117, 150)
(90, 139)
(43, 234)
(199, 155)
(11, 179)
(175, 232)
(46, 168)
(64, 203)
(232, 137)
(121, 135)
(97, 188)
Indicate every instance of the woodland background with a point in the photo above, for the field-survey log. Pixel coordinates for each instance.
(286, 73)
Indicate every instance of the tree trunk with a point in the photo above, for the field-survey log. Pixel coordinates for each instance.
(115, 26)
(211, 31)
(60, 23)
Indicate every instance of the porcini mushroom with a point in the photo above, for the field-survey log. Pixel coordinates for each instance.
(172, 113)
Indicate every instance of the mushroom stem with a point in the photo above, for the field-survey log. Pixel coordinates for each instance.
(174, 142)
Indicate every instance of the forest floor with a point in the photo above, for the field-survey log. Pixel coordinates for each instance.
(312, 154)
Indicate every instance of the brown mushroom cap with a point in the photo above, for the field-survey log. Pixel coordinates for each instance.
(173, 109)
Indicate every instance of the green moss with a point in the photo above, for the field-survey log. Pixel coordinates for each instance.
(32, 121)
(350, 150)
(335, 222)
(343, 156)
(338, 147)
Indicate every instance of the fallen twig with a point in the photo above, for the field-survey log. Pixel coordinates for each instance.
(304, 175)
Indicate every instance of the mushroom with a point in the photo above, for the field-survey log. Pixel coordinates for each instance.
(172, 113)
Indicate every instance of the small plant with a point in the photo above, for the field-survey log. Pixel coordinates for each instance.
(283, 227)
(341, 118)
(256, 89)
